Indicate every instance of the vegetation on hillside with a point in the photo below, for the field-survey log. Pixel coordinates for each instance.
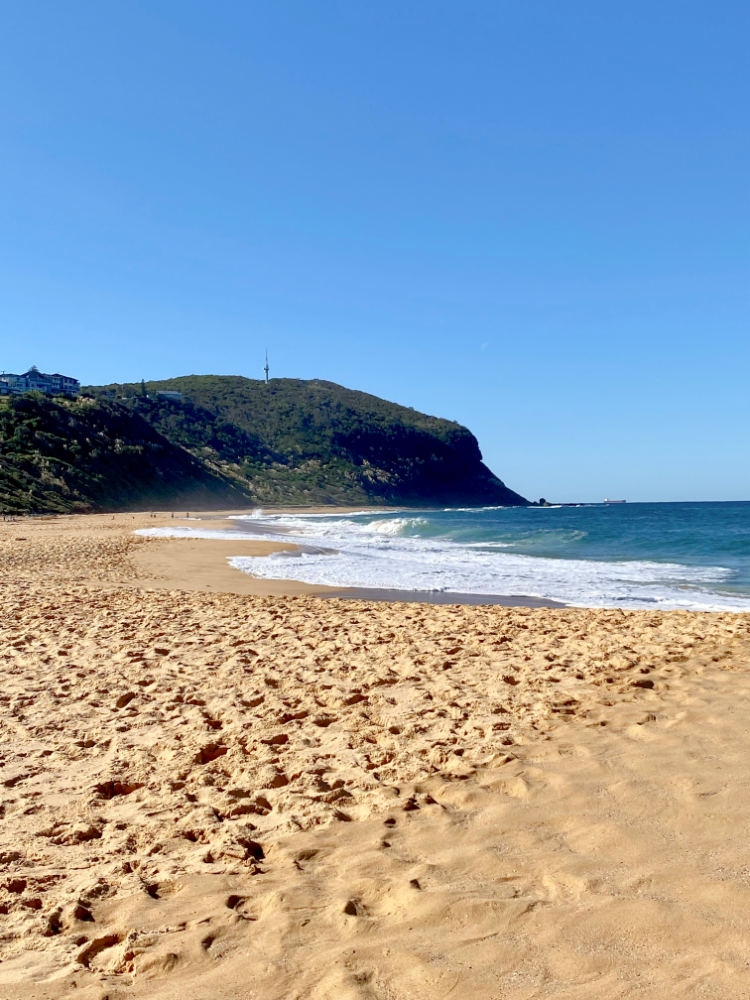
(232, 442)
(294, 441)
(63, 455)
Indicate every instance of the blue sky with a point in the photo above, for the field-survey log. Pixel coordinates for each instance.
(531, 218)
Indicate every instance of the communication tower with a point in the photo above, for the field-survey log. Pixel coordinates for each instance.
(266, 368)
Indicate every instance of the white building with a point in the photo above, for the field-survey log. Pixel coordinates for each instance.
(33, 379)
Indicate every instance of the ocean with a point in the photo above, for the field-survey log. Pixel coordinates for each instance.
(694, 556)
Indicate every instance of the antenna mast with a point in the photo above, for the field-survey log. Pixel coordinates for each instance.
(266, 368)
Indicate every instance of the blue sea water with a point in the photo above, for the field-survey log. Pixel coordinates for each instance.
(640, 555)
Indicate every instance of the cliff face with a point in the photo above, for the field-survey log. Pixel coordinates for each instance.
(295, 441)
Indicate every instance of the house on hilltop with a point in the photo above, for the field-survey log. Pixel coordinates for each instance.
(33, 379)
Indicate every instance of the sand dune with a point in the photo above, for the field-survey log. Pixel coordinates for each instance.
(242, 796)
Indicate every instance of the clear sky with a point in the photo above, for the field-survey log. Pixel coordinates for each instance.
(531, 217)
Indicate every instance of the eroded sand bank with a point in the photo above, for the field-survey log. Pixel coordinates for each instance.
(228, 795)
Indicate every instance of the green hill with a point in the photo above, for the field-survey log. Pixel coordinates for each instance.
(300, 442)
(233, 442)
(61, 455)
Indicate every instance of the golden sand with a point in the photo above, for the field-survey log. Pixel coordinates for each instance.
(238, 796)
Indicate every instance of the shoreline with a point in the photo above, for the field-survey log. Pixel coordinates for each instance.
(223, 521)
(199, 565)
(258, 585)
(196, 564)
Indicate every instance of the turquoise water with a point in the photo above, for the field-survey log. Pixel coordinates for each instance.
(658, 555)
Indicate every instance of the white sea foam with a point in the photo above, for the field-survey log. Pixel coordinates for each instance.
(260, 514)
(180, 532)
(395, 525)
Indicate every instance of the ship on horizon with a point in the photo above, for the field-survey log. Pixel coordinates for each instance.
(614, 501)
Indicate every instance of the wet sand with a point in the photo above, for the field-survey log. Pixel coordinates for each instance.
(281, 797)
(441, 597)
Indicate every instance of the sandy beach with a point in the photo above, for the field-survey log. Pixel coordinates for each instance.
(215, 786)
